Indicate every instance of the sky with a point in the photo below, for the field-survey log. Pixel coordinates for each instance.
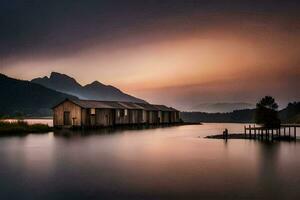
(179, 53)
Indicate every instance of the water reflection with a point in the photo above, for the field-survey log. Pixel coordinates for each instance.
(151, 163)
(69, 133)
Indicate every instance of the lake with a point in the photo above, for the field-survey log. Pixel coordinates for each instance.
(160, 163)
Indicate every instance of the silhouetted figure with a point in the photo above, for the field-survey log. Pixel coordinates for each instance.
(225, 133)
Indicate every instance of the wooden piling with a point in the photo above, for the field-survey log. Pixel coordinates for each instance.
(272, 134)
(250, 131)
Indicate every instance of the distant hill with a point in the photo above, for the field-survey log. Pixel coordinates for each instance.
(26, 98)
(221, 107)
(237, 116)
(94, 91)
(290, 114)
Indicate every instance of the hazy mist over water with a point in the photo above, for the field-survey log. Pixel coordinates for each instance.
(160, 163)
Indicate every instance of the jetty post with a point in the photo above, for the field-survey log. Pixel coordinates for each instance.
(250, 131)
(272, 134)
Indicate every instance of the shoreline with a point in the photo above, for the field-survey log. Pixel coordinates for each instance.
(24, 118)
(21, 128)
(242, 136)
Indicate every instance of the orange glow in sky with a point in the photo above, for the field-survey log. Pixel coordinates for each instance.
(170, 69)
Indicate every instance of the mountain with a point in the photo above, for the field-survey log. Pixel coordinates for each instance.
(20, 97)
(221, 107)
(94, 91)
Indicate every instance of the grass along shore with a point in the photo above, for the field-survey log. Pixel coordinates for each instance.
(22, 127)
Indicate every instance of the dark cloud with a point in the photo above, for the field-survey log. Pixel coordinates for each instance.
(55, 28)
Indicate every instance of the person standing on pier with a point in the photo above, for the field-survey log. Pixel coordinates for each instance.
(225, 133)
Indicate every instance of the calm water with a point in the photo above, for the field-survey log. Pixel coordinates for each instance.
(162, 163)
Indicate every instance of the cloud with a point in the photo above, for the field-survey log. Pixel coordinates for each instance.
(174, 52)
(56, 29)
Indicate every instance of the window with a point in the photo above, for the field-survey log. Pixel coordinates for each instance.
(126, 112)
(93, 111)
(118, 113)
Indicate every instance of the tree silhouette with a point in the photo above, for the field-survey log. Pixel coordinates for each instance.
(266, 113)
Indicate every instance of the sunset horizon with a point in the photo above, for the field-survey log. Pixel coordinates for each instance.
(180, 53)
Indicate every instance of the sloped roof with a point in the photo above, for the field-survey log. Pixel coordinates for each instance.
(117, 105)
(164, 108)
(98, 104)
(130, 105)
(149, 107)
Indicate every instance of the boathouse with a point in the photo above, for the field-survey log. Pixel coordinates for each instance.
(91, 113)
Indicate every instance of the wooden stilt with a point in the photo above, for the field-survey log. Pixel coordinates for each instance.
(272, 132)
(250, 131)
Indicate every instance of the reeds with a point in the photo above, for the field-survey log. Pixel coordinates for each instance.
(21, 126)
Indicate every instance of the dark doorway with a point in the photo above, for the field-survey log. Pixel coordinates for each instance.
(93, 120)
(67, 118)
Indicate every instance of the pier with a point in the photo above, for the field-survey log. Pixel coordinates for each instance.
(284, 132)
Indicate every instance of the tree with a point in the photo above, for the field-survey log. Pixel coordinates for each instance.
(266, 113)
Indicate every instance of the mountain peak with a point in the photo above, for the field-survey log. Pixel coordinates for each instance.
(96, 83)
(55, 75)
(95, 90)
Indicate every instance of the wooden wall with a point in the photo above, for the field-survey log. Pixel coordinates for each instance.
(75, 112)
(152, 117)
(104, 117)
(135, 116)
(121, 118)
(166, 117)
(109, 117)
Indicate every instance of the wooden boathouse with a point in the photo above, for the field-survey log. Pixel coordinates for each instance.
(91, 113)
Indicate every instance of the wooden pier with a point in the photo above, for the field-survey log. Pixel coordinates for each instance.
(284, 132)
